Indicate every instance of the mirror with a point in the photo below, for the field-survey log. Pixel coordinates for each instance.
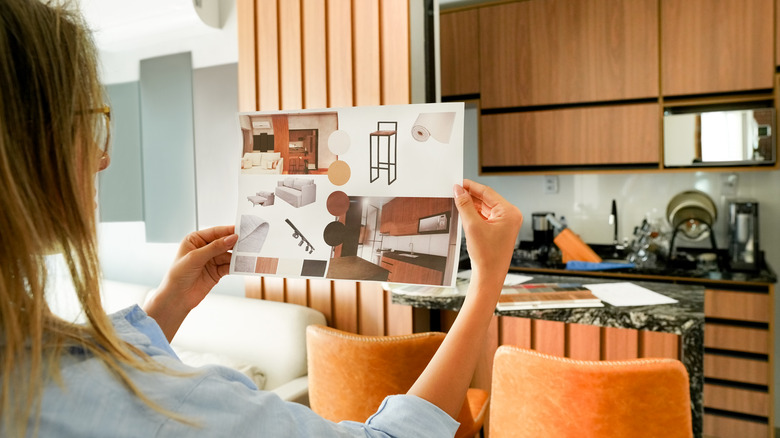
(719, 138)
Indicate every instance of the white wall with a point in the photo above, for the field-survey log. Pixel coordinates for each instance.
(125, 254)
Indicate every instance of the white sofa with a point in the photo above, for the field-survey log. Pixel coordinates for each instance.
(264, 339)
(262, 163)
(296, 191)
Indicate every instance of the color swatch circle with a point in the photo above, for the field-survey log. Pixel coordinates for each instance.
(338, 142)
(337, 203)
(339, 172)
(334, 233)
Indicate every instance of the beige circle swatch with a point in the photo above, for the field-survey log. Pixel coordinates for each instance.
(339, 172)
(338, 142)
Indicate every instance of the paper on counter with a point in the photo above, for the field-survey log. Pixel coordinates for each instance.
(628, 294)
(510, 280)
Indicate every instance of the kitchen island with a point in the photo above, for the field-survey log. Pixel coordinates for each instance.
(684, 318)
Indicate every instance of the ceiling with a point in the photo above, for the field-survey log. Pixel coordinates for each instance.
(120, 24)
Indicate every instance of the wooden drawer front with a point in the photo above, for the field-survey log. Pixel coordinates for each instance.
(724, 427)
(620, 134)
(743, 306)
(745, 339)
(736, 369)
(745, 401)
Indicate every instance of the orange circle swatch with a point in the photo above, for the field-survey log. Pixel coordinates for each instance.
(339, 172)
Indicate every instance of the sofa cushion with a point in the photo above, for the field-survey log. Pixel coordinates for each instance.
(300, 182)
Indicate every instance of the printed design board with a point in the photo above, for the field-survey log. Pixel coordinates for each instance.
(361, 193)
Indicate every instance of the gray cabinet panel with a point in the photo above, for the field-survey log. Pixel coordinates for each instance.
(168, 147)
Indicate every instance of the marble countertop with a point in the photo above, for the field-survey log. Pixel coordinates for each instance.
(678, 318)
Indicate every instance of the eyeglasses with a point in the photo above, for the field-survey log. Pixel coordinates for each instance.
(106, 112)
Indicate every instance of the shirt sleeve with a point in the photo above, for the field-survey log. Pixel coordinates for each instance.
(227, 409)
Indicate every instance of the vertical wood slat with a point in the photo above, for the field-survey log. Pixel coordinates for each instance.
(339, 41)
(290, 55)
(253, 287)
(657, 344)
(247, 60)
(345, 308)
(315, 79)
(297, 291)
(548, 337)
(583, 342)
(371, 306)
(515, 331)
(321, 298)
(399, 319)
(619, 344)
(267, 55)
(273, 289)
(366, 56)
(394, 47)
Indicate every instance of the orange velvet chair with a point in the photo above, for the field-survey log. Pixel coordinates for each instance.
(537, 395)
(350, 375)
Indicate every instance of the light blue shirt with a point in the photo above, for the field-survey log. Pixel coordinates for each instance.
(225, 403)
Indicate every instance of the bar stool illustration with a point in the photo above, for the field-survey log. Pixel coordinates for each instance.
(383, 132)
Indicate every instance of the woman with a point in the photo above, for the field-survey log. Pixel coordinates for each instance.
(116, 375)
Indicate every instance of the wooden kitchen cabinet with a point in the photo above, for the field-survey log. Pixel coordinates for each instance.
(608, 135)
(545, 52)
(400, 216)
(410, 273)
(738, 362)
(716, 46)
(459, 49)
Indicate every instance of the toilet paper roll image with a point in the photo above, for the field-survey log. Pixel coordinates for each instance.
(436, 125)
(253, 231)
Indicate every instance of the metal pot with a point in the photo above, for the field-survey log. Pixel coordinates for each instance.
(692, 213)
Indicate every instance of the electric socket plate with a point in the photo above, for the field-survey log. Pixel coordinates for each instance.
(550, 184)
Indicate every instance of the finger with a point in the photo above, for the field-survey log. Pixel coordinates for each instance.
(201, 256)
(465, 205)
(214, 233)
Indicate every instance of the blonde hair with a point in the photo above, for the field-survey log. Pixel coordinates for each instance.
(49, 153)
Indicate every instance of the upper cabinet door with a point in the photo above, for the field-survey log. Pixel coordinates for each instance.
(542, 52)
(459, 44)
(714, 46)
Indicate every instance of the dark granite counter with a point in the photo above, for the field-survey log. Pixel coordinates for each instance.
(682, 269)
(429, 261)
(685, 318)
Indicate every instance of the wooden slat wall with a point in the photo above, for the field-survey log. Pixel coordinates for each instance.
(576, 341)
(314, 54)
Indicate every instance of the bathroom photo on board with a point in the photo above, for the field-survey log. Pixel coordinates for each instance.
(361, 193)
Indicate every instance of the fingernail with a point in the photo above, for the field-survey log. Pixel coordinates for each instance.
(458, 190)
(231, 239)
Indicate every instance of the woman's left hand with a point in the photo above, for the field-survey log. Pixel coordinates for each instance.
(203, 259)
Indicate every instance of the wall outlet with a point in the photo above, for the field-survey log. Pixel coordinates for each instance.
(551, 184)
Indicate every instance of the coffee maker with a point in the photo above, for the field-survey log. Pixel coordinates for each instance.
(744, 253)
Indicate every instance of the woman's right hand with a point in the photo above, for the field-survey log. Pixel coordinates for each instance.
(491, 225)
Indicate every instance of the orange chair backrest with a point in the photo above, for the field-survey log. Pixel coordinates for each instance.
(537, 395)
(350, 374)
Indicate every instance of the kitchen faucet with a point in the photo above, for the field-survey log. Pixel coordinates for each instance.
(411, 248)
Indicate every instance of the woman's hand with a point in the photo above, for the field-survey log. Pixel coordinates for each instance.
(491, 225)
(203, 259)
